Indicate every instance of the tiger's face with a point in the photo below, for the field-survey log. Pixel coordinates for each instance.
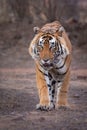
(48, 50)
(45, 50)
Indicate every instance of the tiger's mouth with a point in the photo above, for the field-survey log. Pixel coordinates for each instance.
(47, 65)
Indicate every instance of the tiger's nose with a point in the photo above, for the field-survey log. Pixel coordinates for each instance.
(46, 60)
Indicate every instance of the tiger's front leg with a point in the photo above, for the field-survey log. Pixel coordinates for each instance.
(62, 93)
(43, 90)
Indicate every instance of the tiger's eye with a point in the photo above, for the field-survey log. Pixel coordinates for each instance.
(53, 43)
(40, 43)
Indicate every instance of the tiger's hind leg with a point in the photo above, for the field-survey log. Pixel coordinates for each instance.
(62, 93)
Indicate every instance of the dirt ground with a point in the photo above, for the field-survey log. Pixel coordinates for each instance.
(18, 92)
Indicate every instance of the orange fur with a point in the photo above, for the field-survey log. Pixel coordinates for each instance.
(48, 30)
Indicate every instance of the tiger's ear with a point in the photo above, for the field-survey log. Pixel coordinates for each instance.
(60, 31)
(36, 30)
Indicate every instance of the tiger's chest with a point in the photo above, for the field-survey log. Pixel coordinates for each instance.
(53, 83)
(53, 77)
(58, 72)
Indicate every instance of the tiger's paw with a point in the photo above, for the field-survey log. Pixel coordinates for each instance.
(45, 107)
(63, 107)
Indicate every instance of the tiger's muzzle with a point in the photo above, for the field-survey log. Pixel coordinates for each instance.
(46, 64)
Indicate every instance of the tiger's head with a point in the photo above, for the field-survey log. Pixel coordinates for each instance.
(47, 48)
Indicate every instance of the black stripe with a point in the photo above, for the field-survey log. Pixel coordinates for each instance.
(62, 65)
(53, 82)
(50, 76)
(53, 91)
(51, 101)
(41, 65)
(58, 45)
(53, 96)
(45, 74)
(61, 48)
(59, 81)
(50, 89)
(49, 85)
(42, 72)
(65, 72)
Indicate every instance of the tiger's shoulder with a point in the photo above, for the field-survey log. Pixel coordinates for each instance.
(51, 27)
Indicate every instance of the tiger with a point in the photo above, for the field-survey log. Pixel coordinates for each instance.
(51, 50)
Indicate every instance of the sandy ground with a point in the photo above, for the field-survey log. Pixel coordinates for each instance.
(18, 92)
